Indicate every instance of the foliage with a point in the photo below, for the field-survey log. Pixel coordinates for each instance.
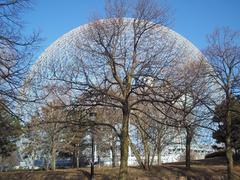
(10, 130)
(216, 154)
(220, 119)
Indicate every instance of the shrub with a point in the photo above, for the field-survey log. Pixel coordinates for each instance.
(216, 154)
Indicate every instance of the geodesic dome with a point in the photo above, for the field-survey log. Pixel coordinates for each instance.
(61, 58)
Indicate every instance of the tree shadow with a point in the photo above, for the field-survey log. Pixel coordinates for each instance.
(85, 173)
(195, 173)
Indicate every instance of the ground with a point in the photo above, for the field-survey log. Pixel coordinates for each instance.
(210, 169)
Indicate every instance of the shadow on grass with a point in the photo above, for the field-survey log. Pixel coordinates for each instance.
(42, 175)
(164, 172)
(194, 173)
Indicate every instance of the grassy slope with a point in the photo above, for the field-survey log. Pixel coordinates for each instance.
(211, 168)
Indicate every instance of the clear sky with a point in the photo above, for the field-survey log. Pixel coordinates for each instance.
(193, 19)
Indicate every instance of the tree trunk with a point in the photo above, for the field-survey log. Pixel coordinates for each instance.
(146, 152)
(53, 159)
(92, 156)
(159, 157)
(46, 162)
(229, 153)
(33, 162)
(77, 159)
(145, 148)
(136, 154)
(124, 143)
(1, 167)
(153, 155)
(113, 150)
(159, 148)
(188, 147)
(74, 157)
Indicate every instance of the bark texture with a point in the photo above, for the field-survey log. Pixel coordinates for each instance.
(124, 144)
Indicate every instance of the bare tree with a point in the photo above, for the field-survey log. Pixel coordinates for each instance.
(223, 54)
(189, 108)
(188, 111)
(16, 51)
(118, 62)
(46, 132)
(107, 136)
(75, 143)
(152, 136)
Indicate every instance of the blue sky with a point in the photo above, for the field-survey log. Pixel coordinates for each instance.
(193, 19)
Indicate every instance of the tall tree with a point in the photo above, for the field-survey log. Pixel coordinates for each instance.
(188, 112)
(116, 58)
(189, 108)
(223, 54)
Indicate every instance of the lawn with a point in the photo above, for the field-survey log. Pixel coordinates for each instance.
(205, 169)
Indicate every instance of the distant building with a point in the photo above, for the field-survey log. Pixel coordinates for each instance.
(173, 152)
